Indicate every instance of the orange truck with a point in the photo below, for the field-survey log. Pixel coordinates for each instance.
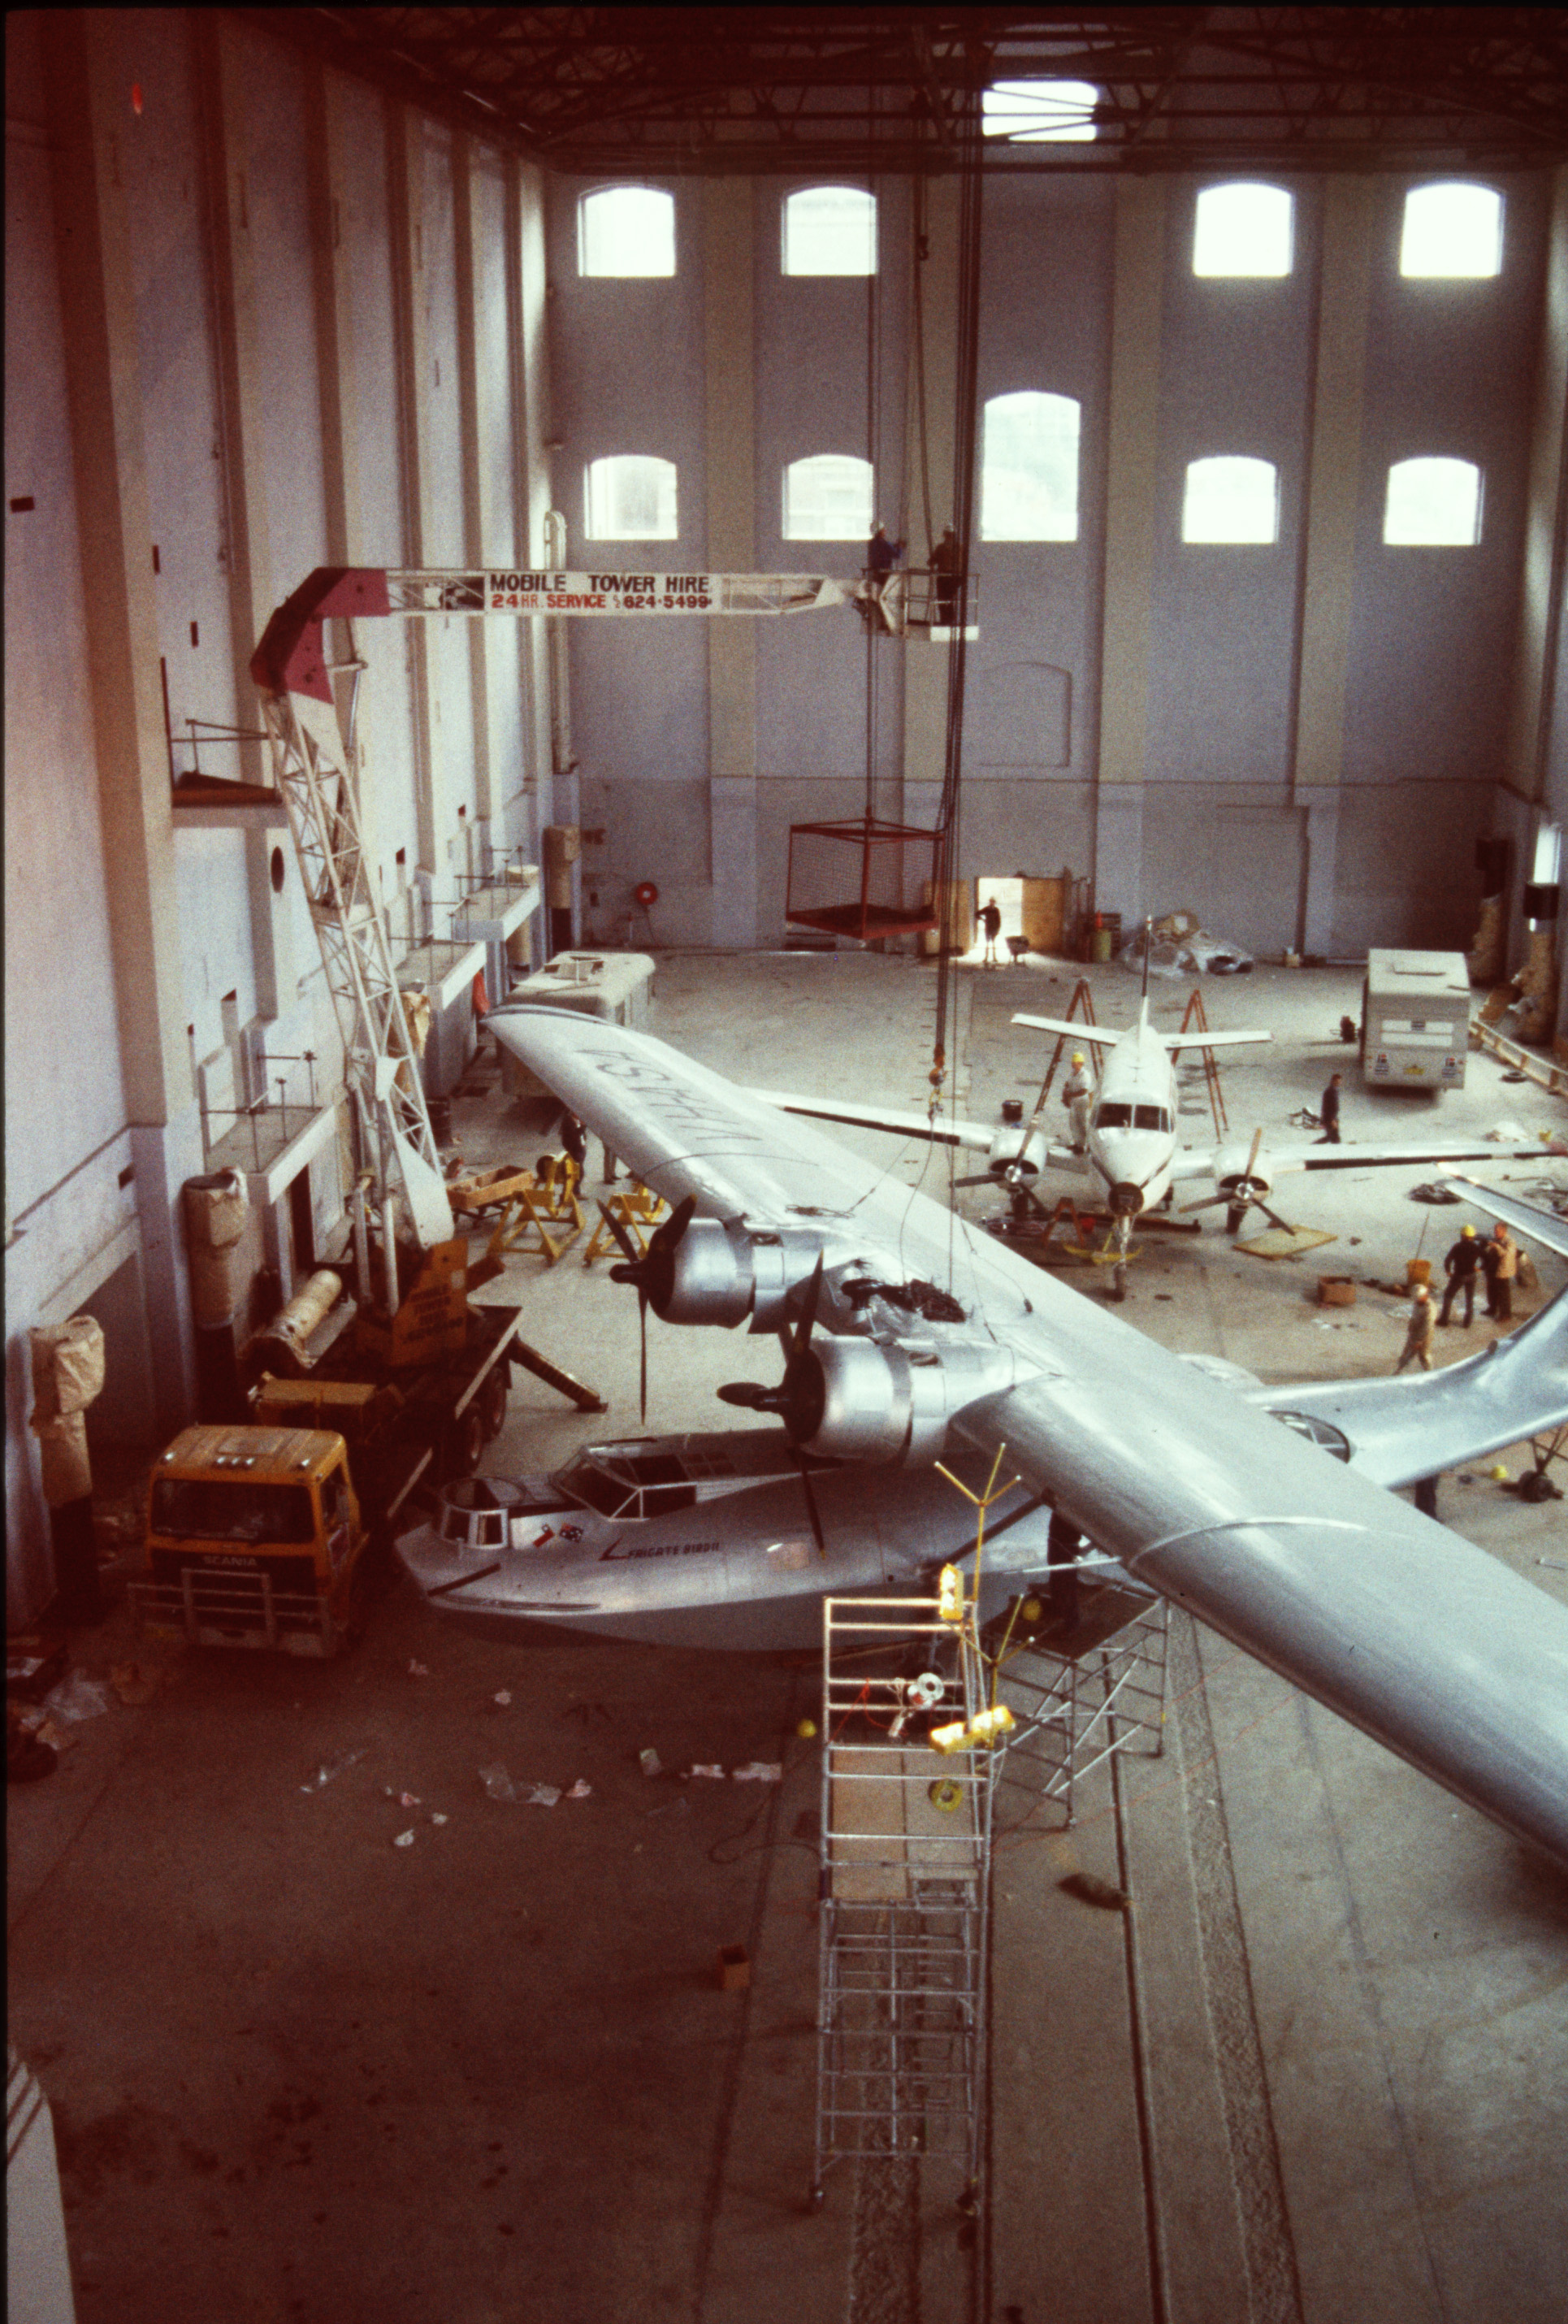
(263, 1535)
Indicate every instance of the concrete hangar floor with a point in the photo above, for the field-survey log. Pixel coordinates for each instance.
(1317, 2070)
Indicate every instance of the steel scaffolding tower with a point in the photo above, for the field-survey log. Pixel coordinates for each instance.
(904, 1887)
(1098, 1689)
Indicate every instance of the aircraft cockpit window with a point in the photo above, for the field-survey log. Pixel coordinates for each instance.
(600, 1489)
(1113, 1115)
(1151, 1117)
(660, 1500)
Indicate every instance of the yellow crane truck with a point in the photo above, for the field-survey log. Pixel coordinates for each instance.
(259, 1535)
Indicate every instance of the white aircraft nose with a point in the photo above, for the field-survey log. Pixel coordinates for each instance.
(1133, 1159)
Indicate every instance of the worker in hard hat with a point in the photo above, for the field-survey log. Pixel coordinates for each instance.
(1499, 1261)
(1077, 1092)
(1418, 1330)
(1462, 1266)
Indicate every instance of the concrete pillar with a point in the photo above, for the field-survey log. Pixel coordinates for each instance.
(325, 161)
(1132, 435)
(530, 369)
(1536, 770)
(406, 237)
(1328, 568)
(114, 525)
(728, 261)
(478, 403)
(251, 592)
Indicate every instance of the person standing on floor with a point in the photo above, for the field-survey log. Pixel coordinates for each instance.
(1329, 1109)
(1076, 1098)
(1462, 1266)
(1418, 1332)
(1501, 1259)
(990, 921)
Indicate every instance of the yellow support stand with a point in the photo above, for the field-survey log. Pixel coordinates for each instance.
(542, 1217)
(637, 1210)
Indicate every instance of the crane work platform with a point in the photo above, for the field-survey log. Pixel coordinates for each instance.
(864, 855)
(905, 1888)
(921, 604)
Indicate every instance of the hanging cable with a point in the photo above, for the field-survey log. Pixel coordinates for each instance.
(948, 855)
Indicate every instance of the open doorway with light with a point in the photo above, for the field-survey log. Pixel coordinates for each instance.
(1033, 914)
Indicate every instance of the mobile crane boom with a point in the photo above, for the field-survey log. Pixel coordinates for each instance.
(315, 767)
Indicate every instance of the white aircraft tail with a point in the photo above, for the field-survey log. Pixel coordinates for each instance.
(1098, 1035)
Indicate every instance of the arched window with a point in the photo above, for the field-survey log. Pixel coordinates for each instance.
(1231, 497)
(1029, 474)
(1040, 111)
(626, 230)
(830, 230)
(1242, 229)
(828, 497)
(1433, 504)
(1453, 230)
(631, 496)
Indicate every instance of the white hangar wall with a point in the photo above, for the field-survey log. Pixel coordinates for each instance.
(258, 320)
(1302, 738)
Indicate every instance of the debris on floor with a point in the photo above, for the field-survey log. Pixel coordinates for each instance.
(498, 1785)
(735, 1968)
(77, 1697)
(330, 1767)
(1092, 1890)
(759, 1771)
(136, 1682)
(650, 1763)
(1284, 1242)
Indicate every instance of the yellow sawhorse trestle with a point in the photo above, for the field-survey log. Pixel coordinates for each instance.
(540, 1212)
(637, 1210)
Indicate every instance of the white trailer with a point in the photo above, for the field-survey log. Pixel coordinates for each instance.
(1415, 1020)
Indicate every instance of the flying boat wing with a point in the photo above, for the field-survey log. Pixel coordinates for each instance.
(1401, 1430)
(937, 1129)
(907, 1324)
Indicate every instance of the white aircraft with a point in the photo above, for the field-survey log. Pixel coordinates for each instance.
(909, 1336)
(1127, 1140)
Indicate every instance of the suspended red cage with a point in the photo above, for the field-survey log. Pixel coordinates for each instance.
(818, 875)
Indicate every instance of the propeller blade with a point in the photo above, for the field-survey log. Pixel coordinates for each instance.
(642, 1352)
(618, 1229)
(1210, 1203)
(668, 1233)
(983, 1178)
(809, 1309)
(811, 1509)
(653, 1274)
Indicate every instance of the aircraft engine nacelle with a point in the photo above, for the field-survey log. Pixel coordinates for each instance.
(718, 1274)
(890, 1401)
(1239, 1171)
(1011, 1150)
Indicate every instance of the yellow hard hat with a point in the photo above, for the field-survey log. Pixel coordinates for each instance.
(1467, 1231)
(1077, 1056)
